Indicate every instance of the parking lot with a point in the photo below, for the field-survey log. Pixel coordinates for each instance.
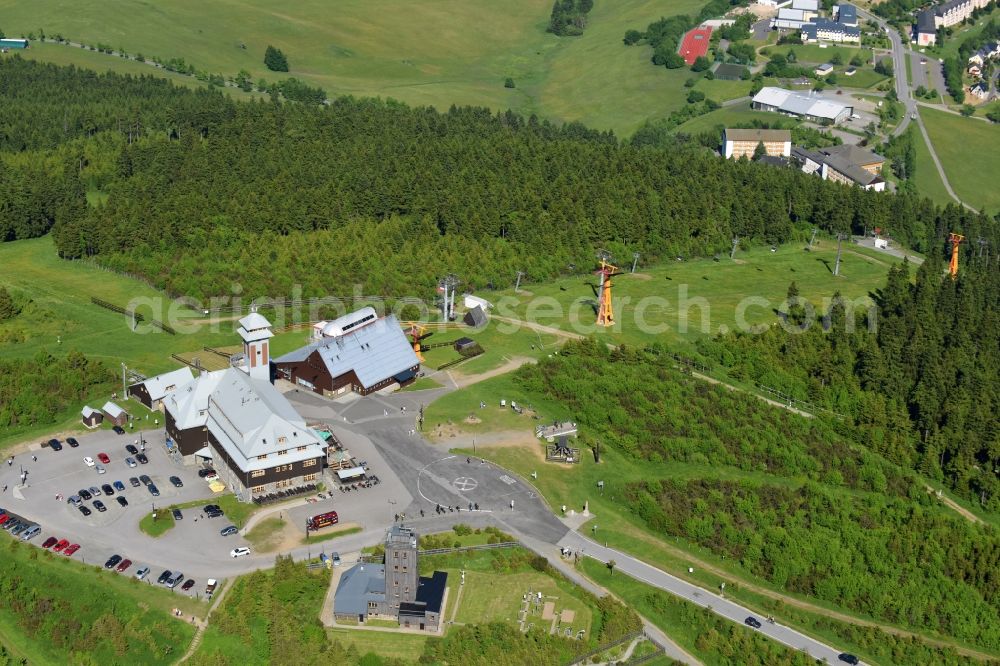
(194, 546)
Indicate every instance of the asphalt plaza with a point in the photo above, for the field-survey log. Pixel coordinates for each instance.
(193, 546)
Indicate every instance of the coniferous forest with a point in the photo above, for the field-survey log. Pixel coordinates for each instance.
(194, 185)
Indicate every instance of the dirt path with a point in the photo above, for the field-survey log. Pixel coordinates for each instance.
(713, 380)
(513, 363)
(541, 328)
(798, 603)
(203, 624)
(952, 504)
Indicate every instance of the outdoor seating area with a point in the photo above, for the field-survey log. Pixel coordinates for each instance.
(281, 495)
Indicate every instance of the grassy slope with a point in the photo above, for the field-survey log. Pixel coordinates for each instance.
(971, 172)
(758, 272)
(928, 180)
(70, 581)
(351, 49)
(59, 54)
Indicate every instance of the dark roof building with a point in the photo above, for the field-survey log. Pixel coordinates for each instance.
(847, 14)
(475, 317)
(393, 589)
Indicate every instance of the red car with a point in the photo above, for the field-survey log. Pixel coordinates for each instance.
(125, 564)
(51, 541)
(188, 585)
(4, 518)
(59, 547)
(103, 457)
(71, 549)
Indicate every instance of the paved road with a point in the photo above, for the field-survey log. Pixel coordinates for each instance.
(417, 477)
(717, 604)
(904, 91)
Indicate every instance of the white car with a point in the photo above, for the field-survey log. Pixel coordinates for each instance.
(88, 461)
(239, 552)
(100, 469)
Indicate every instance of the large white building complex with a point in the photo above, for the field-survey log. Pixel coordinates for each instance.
(801, 105)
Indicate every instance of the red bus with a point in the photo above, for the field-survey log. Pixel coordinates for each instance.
(323, 520)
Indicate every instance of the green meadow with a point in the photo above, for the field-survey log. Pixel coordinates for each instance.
(437, 53)
(972, 163)
(679, 302)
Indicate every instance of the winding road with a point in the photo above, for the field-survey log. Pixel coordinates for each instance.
(904, 91)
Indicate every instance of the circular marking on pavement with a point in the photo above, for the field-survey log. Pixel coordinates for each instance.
(465, 483)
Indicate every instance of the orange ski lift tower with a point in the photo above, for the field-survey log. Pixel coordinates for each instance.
(956, 240)
(605, 312)
(417, 334)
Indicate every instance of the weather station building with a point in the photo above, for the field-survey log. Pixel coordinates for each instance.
(359, 352)
(237, 419)
(393, 590)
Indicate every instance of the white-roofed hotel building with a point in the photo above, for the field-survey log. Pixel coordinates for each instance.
(258, 443)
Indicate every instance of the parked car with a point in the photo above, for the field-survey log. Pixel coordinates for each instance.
(95, 491)
(51, 541)
(21, 527)
(72, 442)
(336, 559)
(142, 458)
(229, 531)
(75, 500)
(751, 621)
(100, 469)
(130, 461)
(84, 494)
(176, 481)
(164, 577)
(153, 490)
(30, 533)
(205, 471)
(70, 549)
(119, 486)
(210, 587)
(61, 546)
(142, 573)
(4, 517)
(123, 566)
(145, 480)
(177, 514)
(188, 584)
(88, 461)
(103, 457)
(175, 580)
(112, 561)
(134, 481)
(121, 501)
(11, 525)
(847, 658)
(118, 430)
(215, 513)
(99, 505)
(85, 510)
(107, 489)
(55, 445)
(239, 552)
(131, 449)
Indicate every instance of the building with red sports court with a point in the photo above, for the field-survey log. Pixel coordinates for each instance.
(695, 44)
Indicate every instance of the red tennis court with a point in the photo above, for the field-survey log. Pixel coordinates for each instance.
(694, 44)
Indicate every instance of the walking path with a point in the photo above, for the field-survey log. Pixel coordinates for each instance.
(904, 91)
(203, 624)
